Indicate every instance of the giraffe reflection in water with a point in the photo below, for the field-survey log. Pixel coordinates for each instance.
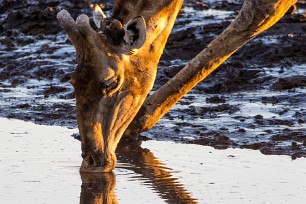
(100, 187)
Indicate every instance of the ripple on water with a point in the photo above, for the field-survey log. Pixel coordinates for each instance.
(42, 165)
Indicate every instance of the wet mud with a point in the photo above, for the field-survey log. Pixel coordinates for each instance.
(255, 100)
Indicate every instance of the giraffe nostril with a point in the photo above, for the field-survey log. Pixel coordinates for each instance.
(88, 159)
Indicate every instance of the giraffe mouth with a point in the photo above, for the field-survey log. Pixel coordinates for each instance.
(97, 162)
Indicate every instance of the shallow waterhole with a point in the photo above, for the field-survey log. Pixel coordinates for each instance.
(40, 164)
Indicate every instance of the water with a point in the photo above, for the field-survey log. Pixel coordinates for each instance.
(40, 164)
(201, 17)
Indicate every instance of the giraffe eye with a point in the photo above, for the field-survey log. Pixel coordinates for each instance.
(109, 85)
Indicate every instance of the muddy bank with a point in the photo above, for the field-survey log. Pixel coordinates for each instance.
(255, 100)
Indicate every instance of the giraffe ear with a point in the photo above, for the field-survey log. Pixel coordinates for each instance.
(98, 16)
(135, 33)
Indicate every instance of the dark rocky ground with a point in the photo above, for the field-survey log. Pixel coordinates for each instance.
(255, 100)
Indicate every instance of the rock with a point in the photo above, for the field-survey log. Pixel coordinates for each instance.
(200, 6)
(289, 82)
(241, 130)
(295, 146)
(215, 99)
(173, 70)
(258, 117)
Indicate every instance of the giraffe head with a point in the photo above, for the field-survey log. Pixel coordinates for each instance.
(109, 84)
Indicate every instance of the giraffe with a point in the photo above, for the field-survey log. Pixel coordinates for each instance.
(117, 65)
(116, 69)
